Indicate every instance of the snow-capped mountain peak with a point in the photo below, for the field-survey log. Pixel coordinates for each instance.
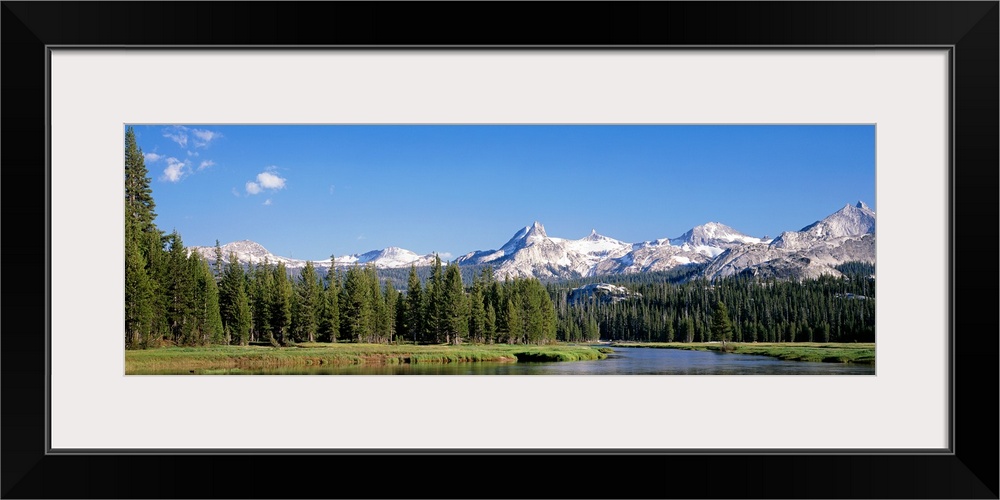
(245, 247)
(711, 239)
(852, 220)
(535, 232)
(845, 235)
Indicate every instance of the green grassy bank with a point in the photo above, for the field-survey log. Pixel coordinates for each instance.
(249, 357)
(861, 353)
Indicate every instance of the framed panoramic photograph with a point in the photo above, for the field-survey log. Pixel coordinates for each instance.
(800, 302)
(281, 253)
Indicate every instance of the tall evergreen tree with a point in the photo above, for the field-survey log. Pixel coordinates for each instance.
(307, 294)
(139, 292)
(145, 297)
(180, 291)
(356, 311)
(513, 325)
(217, 266)
(477, 314)
(234, 303)
(434, 322)
(261, 290)
(414, 306)
(207, 311)
(329, 324)
(722, 327)
(281, 304)
(139, 202)
(391, 303)
(453, 308)
(399, 327)
(379, 323)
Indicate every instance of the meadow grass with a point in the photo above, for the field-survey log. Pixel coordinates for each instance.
(220, 358)
(826, 352)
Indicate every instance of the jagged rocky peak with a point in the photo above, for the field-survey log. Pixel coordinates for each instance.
(862, 205)
(595, 236)
(536, 229)
(534, 233)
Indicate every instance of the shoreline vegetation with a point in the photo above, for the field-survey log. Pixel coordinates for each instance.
(345, 354)
(824, 352)
(315, 354)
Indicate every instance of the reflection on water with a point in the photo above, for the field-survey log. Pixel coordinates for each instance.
(624, 361)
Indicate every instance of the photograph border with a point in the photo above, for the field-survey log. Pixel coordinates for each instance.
(32, 29)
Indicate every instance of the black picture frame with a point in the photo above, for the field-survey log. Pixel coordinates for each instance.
(969, 470)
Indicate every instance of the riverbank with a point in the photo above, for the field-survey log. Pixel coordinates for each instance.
(314, 354)
(859, 353)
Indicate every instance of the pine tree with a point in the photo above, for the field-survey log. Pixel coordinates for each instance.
(234, 303)
(217, 266)
(145, 273)
(391, 303)
(180, 291)
(356, 309)
(434, 322)
(139, 292)
(513, 325)
(490, 323)
(477, 314)
(261, 290)
(722, 327)
(139, 202)
(399, 321)
(329, 324)
(307, 295)
(414, 306)
(281, 304)
(208, 316)
(453, 308)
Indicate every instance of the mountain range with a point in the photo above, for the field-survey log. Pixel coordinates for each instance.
(845, 235)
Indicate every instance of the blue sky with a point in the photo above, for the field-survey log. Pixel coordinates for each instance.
(309, 191)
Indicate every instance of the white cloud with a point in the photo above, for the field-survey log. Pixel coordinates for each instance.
(331, 188)
(236, 192)
(176, 170)
(445, 255)
(192, 153)
(177, 134)
(151, 157)
(203, 137)
(267, 202)
(270, 181)
(205, 164)
(361, 237)
(266, 180)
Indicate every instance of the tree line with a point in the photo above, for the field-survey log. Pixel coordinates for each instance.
(826, 309)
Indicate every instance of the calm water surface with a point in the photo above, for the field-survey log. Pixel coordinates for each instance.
(624, 361)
